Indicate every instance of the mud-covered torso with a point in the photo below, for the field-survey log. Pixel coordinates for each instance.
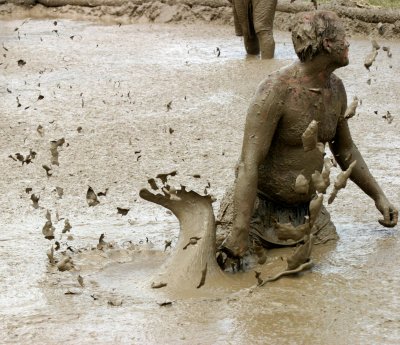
(286, 158)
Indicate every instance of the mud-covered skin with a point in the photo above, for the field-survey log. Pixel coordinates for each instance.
(284, 105)
(286, 158)
(254, 21)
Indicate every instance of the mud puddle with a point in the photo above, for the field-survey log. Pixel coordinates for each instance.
(115, 82)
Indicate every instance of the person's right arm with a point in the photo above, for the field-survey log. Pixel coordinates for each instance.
(261, 122)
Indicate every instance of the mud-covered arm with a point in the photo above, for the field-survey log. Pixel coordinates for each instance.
(262, 118)
(346, 152)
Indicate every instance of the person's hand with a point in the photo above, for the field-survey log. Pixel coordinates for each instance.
(236, 244)
(389, 212)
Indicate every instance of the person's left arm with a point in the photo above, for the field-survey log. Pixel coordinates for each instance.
(345, 152)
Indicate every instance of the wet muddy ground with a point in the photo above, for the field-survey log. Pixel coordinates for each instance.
(151, 99)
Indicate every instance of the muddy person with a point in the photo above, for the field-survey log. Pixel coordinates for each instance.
(273, 155)
(254, 20)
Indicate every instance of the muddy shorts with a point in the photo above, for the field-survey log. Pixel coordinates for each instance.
(266, 213)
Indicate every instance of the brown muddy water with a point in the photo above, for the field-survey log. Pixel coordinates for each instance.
(115, 83)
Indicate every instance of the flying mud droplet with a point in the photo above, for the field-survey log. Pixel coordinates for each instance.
(35, 201)
(388, 117)
(20, 157)
(218, 51)
(301, 185)
(21, 62)
(103, 193)
(80, 281)
(79, 129)
(192, 242)
(48, 230)
(101, 243)
(320, 181)
(301, 255)
(67, 226)
(168, 244)
(72, 291)
(28, 190)
(310, 136)
(40, 97)
(171, 130)
(152, 183)
(341, 181)
(164, 177)
(203, 277)
(351, 110)
(50, 255)
(54, 145)
(60, 192)
(375, 45)
(123, 211)
(327, 171)
(24, 160)
(387, 50)
(91, 197)
(40, 130)
(169, 105)
(29, 158)
(158, 285)
(48, 170)
(165, 303)
(48, 215)
(57, 245)
(315, 208)
(65, 264)
(370, 58)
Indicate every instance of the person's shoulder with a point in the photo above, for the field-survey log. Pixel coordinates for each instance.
(274, 82)
(337, 82)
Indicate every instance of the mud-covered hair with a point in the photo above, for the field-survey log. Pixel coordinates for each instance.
(309, 31)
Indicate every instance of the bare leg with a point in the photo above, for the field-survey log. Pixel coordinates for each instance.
(267, 44)
(251, 45)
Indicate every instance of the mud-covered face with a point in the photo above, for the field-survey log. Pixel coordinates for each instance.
(339, 48)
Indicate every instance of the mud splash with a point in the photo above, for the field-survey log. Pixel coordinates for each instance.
(125, 141)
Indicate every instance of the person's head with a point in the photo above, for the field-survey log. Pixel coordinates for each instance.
(318, 32)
